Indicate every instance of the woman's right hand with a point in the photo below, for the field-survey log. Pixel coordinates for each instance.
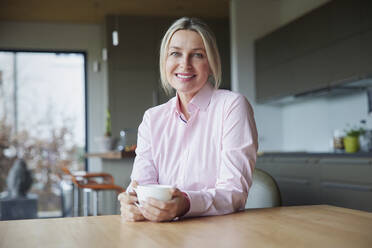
(129, 211)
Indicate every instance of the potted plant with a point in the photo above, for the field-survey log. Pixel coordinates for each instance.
(351, 140)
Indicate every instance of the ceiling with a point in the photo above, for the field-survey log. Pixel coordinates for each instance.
(93, 11)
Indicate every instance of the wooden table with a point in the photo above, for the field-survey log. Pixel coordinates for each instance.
(303, 226)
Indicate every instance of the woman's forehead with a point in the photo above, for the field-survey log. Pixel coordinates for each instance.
(186, 39)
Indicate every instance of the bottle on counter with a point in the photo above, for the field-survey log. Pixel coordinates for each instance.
(365, 138)
(338, 141)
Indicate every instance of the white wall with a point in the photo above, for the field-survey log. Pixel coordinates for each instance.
(299, 126)
(250, 20)
(67, 37)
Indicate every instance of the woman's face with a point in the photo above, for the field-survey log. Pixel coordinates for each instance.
(187, 66)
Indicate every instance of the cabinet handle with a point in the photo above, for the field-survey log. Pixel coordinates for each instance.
(325, 162)
(356, 187)
(293, 180)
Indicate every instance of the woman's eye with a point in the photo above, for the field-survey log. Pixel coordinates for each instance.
(174, 54)
(198, 55)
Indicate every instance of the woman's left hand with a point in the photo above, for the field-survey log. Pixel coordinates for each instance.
(155, 210)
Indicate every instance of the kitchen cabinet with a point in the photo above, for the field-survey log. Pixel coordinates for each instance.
(296, 182)
(366, 16)
(290, 55)
(344, 61)
(300, 37)
(344, 182)
(310, 71)
(274, 81)
(311, 32)
(345, 18)
(366, 54)
(327, 47)
(274, 49)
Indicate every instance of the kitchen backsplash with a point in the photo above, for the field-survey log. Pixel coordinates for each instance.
(309, 126)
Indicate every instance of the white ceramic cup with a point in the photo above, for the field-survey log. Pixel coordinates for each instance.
(157, 191)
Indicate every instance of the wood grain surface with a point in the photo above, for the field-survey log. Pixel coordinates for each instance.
(300, 226)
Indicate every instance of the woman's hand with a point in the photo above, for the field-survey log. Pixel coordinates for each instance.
(128, 210)
(155, 210)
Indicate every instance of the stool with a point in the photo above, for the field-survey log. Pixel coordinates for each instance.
(86, 182)
(75, 177)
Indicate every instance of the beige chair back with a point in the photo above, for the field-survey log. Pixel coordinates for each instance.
(264, 192)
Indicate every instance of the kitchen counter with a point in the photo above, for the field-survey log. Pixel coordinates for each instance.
(316, 154)
(321, 178)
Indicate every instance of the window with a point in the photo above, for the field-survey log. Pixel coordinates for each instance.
(42, 118)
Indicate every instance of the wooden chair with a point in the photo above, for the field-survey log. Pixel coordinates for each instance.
(88, 183)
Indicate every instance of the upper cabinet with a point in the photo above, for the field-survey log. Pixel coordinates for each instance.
(326, 47)
(345, 18)
(366, 15)
(366, 54)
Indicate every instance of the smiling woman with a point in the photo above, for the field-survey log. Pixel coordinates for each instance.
(203, 141)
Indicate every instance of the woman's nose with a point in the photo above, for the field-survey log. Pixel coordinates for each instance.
(185, 62)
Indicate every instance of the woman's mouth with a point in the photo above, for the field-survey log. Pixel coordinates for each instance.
(185, 76)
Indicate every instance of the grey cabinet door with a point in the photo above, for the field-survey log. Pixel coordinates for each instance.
(345, 60)
(343, 195)
(310, 32)
(296, 182)
(345, 48)
(274, 49)
(345, 18)
(346, 183)
(312, 71)
(366, 54)
(305, 73)
(274, 82)
(300, 37)
(366, 15)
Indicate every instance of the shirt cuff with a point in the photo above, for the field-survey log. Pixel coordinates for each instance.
(188, 202)
(197, 204)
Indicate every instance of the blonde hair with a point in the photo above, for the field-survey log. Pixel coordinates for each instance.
(210, 44)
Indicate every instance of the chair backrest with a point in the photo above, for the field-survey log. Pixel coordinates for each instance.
(86, 180)
(264, 192)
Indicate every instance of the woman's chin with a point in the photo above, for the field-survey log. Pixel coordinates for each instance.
(184, 87)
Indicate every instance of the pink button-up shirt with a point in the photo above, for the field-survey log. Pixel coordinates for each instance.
(210, 157)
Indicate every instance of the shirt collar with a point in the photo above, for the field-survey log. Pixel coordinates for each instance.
(200, 101)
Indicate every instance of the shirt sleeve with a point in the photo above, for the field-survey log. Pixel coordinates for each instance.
(238, 159)
(144, 170)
